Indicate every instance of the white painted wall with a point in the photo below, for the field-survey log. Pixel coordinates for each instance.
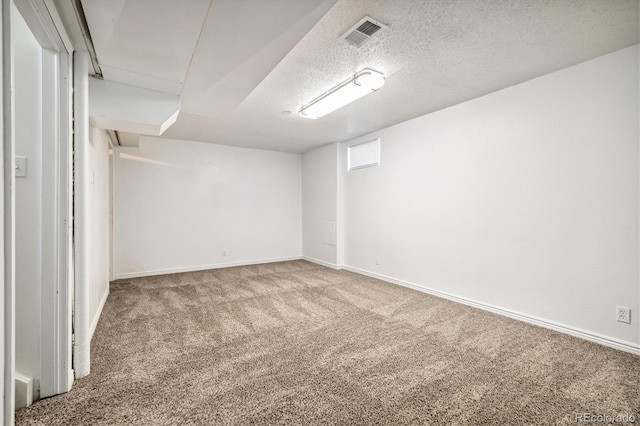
(525, 199)
(319, 203)
(100, 239)
(178, 204)
(28, 143)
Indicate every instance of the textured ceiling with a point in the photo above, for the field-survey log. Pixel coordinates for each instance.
(240, 45)
(435, 54)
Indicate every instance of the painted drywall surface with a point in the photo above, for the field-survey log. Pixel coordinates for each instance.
(319, 186)
(179, 204)
(525, 199)
(121, 107)
(340, 231)
(28, 143)
(100, 240)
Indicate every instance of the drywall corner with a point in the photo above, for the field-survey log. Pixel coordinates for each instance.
(25, 390)
(320, 228)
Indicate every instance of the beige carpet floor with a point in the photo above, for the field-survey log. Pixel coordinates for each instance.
(296, 343)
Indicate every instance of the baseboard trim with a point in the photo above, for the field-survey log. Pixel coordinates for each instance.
(572, 331)
(96, 317)
(23, 390)
(127, 275)
(321, 262)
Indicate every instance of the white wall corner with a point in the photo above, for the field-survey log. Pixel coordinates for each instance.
(319, 198)
(96, 317)
(25, 390)
(322, 263)
(341, 165)
(82, 360)
(82, 218)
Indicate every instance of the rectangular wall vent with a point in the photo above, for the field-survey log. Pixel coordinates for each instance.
(361, 32)
(364, 155)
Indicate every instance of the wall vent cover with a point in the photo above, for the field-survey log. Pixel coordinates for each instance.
(361, 32)
(364, 155)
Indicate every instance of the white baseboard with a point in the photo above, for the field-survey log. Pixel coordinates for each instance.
(572, 331)
(321, 262)
(24, 389)
(96, 317)
(82, 351)
(126, 275)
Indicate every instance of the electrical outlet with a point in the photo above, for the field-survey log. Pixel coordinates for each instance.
(224, 252)
(377, 260)
(623, 314)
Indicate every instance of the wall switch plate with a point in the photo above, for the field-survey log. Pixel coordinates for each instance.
(623, 314)
(21, 166)
(224, 252)
(377, 259)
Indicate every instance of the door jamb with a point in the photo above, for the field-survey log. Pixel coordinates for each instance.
(7, 214)
(56, 375)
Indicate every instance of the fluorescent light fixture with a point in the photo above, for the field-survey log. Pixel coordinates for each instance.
(360, 84)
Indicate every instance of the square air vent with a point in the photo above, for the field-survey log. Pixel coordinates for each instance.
(364, 155)
(361, 32)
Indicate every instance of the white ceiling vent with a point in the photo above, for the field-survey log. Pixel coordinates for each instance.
(361, 32)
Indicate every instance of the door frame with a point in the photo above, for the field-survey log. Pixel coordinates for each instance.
(7, 228)
(56, 321)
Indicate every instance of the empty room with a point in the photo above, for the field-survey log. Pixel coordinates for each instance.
(320, 212)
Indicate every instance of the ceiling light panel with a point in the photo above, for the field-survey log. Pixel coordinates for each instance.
(359, 85)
